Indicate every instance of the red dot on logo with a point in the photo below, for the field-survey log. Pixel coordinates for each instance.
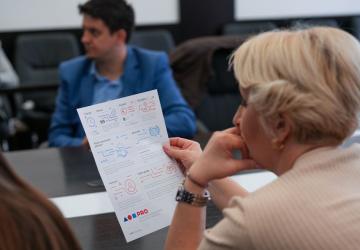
(129, 217)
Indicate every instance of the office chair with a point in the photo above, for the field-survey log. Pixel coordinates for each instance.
(200, 67)
(222, 97)
(160, 40)
(247, 28)
(37, 58)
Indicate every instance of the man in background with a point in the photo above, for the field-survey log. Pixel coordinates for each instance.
(113, 69)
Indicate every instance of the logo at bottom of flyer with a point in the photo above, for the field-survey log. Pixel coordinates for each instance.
(135, 215)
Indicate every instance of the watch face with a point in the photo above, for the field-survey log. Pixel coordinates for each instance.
(178, 196)
(196, 200)
(184, 196)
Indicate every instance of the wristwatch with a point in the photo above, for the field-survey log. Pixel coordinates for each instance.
(197, 200)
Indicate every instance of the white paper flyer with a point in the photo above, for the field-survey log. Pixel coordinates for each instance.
(126, 137)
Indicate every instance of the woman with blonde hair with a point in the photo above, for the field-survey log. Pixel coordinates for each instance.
(28, 220)
(302, 96)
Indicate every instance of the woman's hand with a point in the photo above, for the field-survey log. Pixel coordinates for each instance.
(217, 160)
(183, 150)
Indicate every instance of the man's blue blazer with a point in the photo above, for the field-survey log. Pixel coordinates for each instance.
(144, 70)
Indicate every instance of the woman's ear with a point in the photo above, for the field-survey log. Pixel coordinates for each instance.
(281, 126)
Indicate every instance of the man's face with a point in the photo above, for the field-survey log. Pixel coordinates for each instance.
(97, 39)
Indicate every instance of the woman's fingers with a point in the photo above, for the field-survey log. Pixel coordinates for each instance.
(226, 141)
(181, 142)
(176, 141)
(232, 130)
(173, 152)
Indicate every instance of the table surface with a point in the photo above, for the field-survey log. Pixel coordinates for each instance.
(67, 171)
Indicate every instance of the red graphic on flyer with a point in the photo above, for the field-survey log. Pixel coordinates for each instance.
(130, 186)
(147, 106)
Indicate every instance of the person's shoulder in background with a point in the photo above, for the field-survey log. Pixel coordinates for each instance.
(75, 66)
(146, 57)
(8, 76)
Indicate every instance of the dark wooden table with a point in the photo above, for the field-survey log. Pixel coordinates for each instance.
(67, 171)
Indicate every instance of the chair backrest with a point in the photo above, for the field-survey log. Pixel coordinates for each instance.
(222, 99)
(37, 58)
(200, 66)
(315, 22)
(356, 27)
(247, 28)
(39, 55)
(160, 40)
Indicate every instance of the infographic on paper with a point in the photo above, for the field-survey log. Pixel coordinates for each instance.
(126, 137)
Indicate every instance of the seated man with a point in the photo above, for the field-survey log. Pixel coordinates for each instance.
(112, 69)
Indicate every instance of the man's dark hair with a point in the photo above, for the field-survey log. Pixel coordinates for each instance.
(116, 14)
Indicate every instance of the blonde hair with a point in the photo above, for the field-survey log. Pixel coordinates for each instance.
(312, 75)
